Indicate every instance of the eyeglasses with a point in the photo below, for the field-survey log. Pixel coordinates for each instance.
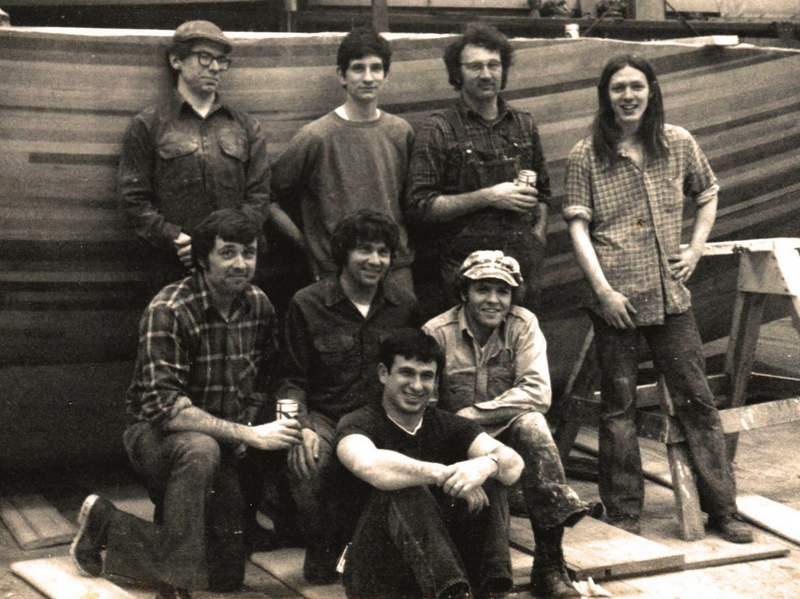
(205, 59)
(476, 68)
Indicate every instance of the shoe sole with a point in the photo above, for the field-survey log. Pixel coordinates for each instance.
(83, 518)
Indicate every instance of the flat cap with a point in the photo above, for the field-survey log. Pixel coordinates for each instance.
(491, 264)
(201, 30)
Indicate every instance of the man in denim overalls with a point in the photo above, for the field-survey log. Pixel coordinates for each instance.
(465, 162)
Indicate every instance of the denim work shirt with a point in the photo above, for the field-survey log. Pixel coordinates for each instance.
(636, 219)
(511, 370)
(190, 355)
(330, 362)
(178, 167)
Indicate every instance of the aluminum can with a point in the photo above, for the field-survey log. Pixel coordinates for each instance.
(572, 30)
(287, 409)
(527, 178)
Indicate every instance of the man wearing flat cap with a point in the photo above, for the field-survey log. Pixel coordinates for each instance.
(496, 374)
(190, 155)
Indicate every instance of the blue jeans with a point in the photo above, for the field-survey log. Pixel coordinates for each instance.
(549, 499)
(678, 354)
(198, 540)
(418, 542)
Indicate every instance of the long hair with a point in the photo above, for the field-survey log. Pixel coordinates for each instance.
(606, 133)
(481, 35)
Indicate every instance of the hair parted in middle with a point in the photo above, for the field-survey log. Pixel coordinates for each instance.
(361, 227)
(362, 42)
(481, 35)
(606, 133)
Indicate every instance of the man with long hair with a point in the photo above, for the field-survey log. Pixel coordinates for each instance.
(626, 185)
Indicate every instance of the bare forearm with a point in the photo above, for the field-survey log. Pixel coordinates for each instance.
(199, 421)
(445, 208)
(510, 465)
(704, 222)
(587, 257)
(391, 471)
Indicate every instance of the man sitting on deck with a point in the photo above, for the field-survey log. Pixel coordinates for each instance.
(201, 376)
(435, 524)
(496, 374)
(333, 329)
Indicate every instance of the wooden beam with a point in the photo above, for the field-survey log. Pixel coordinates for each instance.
(34, 522)
(380, 15)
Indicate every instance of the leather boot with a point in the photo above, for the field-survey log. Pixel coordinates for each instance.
(549, 576)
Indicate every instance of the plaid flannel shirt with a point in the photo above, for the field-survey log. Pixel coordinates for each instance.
(636, 218)
(436, 152)
(189, 355)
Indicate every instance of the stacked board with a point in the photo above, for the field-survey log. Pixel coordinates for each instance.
(71, 270)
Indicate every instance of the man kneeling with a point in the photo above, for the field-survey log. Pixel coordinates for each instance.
(206, 344)
(435, 524)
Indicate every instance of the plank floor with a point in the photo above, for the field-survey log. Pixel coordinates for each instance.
(767, 465)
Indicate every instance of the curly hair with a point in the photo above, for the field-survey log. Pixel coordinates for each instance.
(481, 35)
(359, 227)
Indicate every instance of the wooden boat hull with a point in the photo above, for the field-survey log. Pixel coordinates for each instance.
(71, 270)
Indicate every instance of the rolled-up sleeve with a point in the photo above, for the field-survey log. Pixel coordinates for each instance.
(578, 184)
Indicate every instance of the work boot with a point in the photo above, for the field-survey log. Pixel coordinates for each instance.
(627, 523)
(94, 520)
(730, 528)
(549, 576)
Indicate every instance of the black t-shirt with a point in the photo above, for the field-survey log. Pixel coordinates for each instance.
(443, 438)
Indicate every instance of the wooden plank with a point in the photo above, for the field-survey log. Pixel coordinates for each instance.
(687, 500)
(775, 517)
(58, 578)
(34, 522)
(594, 548)
(286, 565)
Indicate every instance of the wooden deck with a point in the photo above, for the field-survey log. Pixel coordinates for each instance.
(767, 465)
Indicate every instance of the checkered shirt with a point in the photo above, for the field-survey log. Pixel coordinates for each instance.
(636, 218)
(189, 355)
(432, 157)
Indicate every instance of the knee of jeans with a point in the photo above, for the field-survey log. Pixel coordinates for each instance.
(532, 429)
(619, 397)
(198, 452)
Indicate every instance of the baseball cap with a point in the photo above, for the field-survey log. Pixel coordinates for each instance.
(201, 30)
(491, 264)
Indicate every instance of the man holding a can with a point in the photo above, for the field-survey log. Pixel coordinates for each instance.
(496, 374)
(201, 377)
(478, 177)
(329, 366)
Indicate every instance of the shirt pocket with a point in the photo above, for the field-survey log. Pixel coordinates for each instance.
(458, 390)
(233, 144)
(500, 374)
(336, 352)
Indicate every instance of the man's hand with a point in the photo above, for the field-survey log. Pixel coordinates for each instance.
(517, 198)
(617, 310)
(461, 478)
(476, 500)
(683, 268)
(183, 245)
(280, 434)
(303, 458)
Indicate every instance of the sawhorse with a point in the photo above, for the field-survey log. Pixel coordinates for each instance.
(766, 267)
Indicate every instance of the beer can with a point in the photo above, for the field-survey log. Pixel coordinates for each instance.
(287, 409)
(527, 178)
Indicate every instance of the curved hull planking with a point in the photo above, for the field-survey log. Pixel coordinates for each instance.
(71, 270)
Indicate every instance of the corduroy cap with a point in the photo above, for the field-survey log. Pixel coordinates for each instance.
(201, 30)
(491, 264)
